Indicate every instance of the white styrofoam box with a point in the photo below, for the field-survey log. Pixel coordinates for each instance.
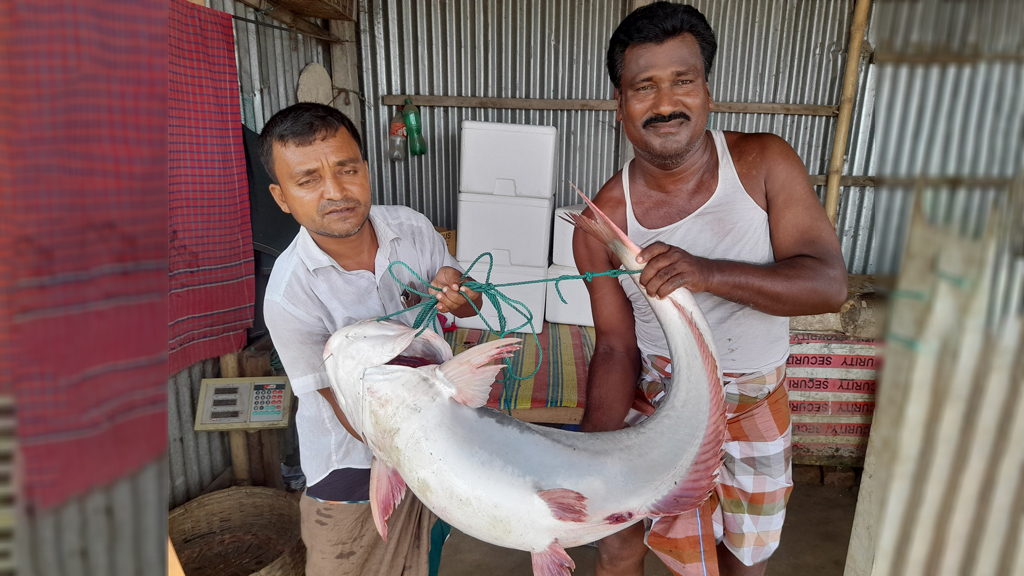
(508, 159)
(516, 231)
(561, 238)
(577, 310)
(532, 295)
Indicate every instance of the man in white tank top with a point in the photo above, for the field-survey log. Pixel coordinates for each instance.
(731, 217)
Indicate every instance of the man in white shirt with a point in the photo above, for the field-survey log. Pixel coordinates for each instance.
(335, 273)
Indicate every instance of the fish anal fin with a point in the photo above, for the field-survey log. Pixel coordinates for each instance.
(386, 491)
(693, 489)
(696, 486)
(554, 561)
(471, 374)
(566, 505)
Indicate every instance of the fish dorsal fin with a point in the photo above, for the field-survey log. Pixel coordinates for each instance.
(386, 491)
(468, 377)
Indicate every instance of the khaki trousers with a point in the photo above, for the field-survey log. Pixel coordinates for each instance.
(341, 539)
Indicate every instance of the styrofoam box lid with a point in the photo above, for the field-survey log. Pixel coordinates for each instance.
(507, 159)
(507, 200)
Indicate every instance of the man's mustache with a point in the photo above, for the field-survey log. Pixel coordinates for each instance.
(329, 205)
(673, 116)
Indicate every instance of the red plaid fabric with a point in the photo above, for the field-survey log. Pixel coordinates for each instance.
(212, 289)
(83, 198)
(748, 507)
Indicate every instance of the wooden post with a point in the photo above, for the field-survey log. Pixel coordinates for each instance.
(271, 459)
(345, 71)
(835, 168)
(291, 19)
(240, 457)
(239, 446)
(252, 437)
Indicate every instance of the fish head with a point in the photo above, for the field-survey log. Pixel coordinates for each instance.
(354, 349)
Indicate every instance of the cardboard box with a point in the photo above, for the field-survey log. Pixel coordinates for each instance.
(449, 238)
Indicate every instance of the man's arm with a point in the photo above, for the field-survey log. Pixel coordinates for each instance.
(809, 274)
(299, 341)
(328, 395)
(615, 365)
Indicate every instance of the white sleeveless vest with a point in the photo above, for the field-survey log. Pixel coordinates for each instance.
(729, 226)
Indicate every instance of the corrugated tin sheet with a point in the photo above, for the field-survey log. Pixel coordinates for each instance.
(769, 51)
(789, 52)
(950, 112)
(118, 530)
(269, 62)
(508, 49)
(195, 458)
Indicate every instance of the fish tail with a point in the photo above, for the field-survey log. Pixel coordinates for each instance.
(603, 228)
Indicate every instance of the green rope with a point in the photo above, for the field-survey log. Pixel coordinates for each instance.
(497, 299)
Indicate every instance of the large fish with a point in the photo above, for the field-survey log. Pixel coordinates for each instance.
(515, 484)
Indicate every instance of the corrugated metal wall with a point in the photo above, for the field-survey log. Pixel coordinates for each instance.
(118, 530)
(195, 458)
(791, 51)
(950, 112)
(269, 62)
(504, 49)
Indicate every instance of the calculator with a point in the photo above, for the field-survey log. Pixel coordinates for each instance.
(243, 403)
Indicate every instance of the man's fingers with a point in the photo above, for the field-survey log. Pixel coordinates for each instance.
(651, 251)
(450, 299)
(665, 277)
(669, 286)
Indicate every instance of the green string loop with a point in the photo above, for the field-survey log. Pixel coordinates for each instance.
(498, 300)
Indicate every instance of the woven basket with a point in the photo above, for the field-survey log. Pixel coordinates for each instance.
(239, 532)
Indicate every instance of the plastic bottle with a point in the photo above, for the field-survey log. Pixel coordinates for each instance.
(414, 129)
(396, 140)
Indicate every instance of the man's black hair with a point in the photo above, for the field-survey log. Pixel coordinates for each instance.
(300, 125)
(657, 23)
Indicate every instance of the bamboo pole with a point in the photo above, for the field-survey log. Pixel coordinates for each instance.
(835, 168)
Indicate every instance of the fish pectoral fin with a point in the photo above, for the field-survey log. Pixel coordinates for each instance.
(552, 562)
(386, 491)
(566, 505)
(471, 374)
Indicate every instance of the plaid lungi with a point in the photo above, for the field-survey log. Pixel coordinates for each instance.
(748, 506)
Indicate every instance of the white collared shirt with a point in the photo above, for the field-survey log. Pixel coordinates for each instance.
(309, 297)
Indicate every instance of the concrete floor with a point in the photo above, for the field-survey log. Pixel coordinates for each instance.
(814, 542)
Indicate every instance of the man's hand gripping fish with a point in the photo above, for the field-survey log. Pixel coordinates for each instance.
(515, 484)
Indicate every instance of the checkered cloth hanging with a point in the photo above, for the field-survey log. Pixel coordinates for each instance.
(212, 290)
